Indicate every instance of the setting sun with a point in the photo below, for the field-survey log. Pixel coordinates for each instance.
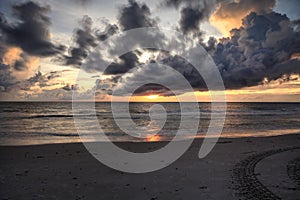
(152, 96)
(153, 138)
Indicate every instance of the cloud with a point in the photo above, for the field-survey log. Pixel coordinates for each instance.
(172, 3)
(192, 13)
(135, 15)
(153, 89)
(229, 14)
(151, 78)
(85, 39)
(11, 56)
(23, 42)
(190, 19)
(6, 78)
(156, 78)
(125, 63)
(18, 74)
(211, 44)
(84, 2)
(21, 64)
(69, 87)
(187, 70)
(296, 23)
(38, 80)
(131, 15)
(31, 33)
(37, 87)
(110, 30)
(261, 48)
(187, 3)
(16, 67)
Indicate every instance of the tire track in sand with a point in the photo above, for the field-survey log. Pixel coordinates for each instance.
(293, 171)
(245, 180)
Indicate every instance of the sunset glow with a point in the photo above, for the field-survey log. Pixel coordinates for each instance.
(43, 67)
(153, 138)
(152, 97)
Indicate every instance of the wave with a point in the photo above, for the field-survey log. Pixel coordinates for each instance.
(8, 114)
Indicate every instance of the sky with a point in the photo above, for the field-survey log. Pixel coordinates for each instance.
(46, 49)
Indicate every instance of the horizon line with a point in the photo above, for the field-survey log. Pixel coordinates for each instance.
(70, 101)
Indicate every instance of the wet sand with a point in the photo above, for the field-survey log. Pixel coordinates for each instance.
(241, 168)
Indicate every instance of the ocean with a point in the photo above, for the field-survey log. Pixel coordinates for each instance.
(28, 123)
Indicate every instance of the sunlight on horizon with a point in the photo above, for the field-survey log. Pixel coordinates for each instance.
(152, 97)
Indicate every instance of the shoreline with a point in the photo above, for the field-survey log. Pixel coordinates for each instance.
(69, 171)
(161, 141)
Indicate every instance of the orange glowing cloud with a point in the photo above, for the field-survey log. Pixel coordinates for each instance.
(296, 56)
(225, 26)
(229, 15)
(11, 56)
(31, 63)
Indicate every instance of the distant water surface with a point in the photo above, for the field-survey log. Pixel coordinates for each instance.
(26, 123)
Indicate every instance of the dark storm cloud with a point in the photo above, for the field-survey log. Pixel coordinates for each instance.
(155, 78)
(190, 19)
(296, 23)
(135, 15)
(127, 62)
(6, 78)
(186, 69)
(211, 44)
(22, 63)
(19, 65)
(31, 32)
(289, 66)
(110, 30)
(192, 13)
(131, 15)
(152, 89)
(85, 39)
(260, 49)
